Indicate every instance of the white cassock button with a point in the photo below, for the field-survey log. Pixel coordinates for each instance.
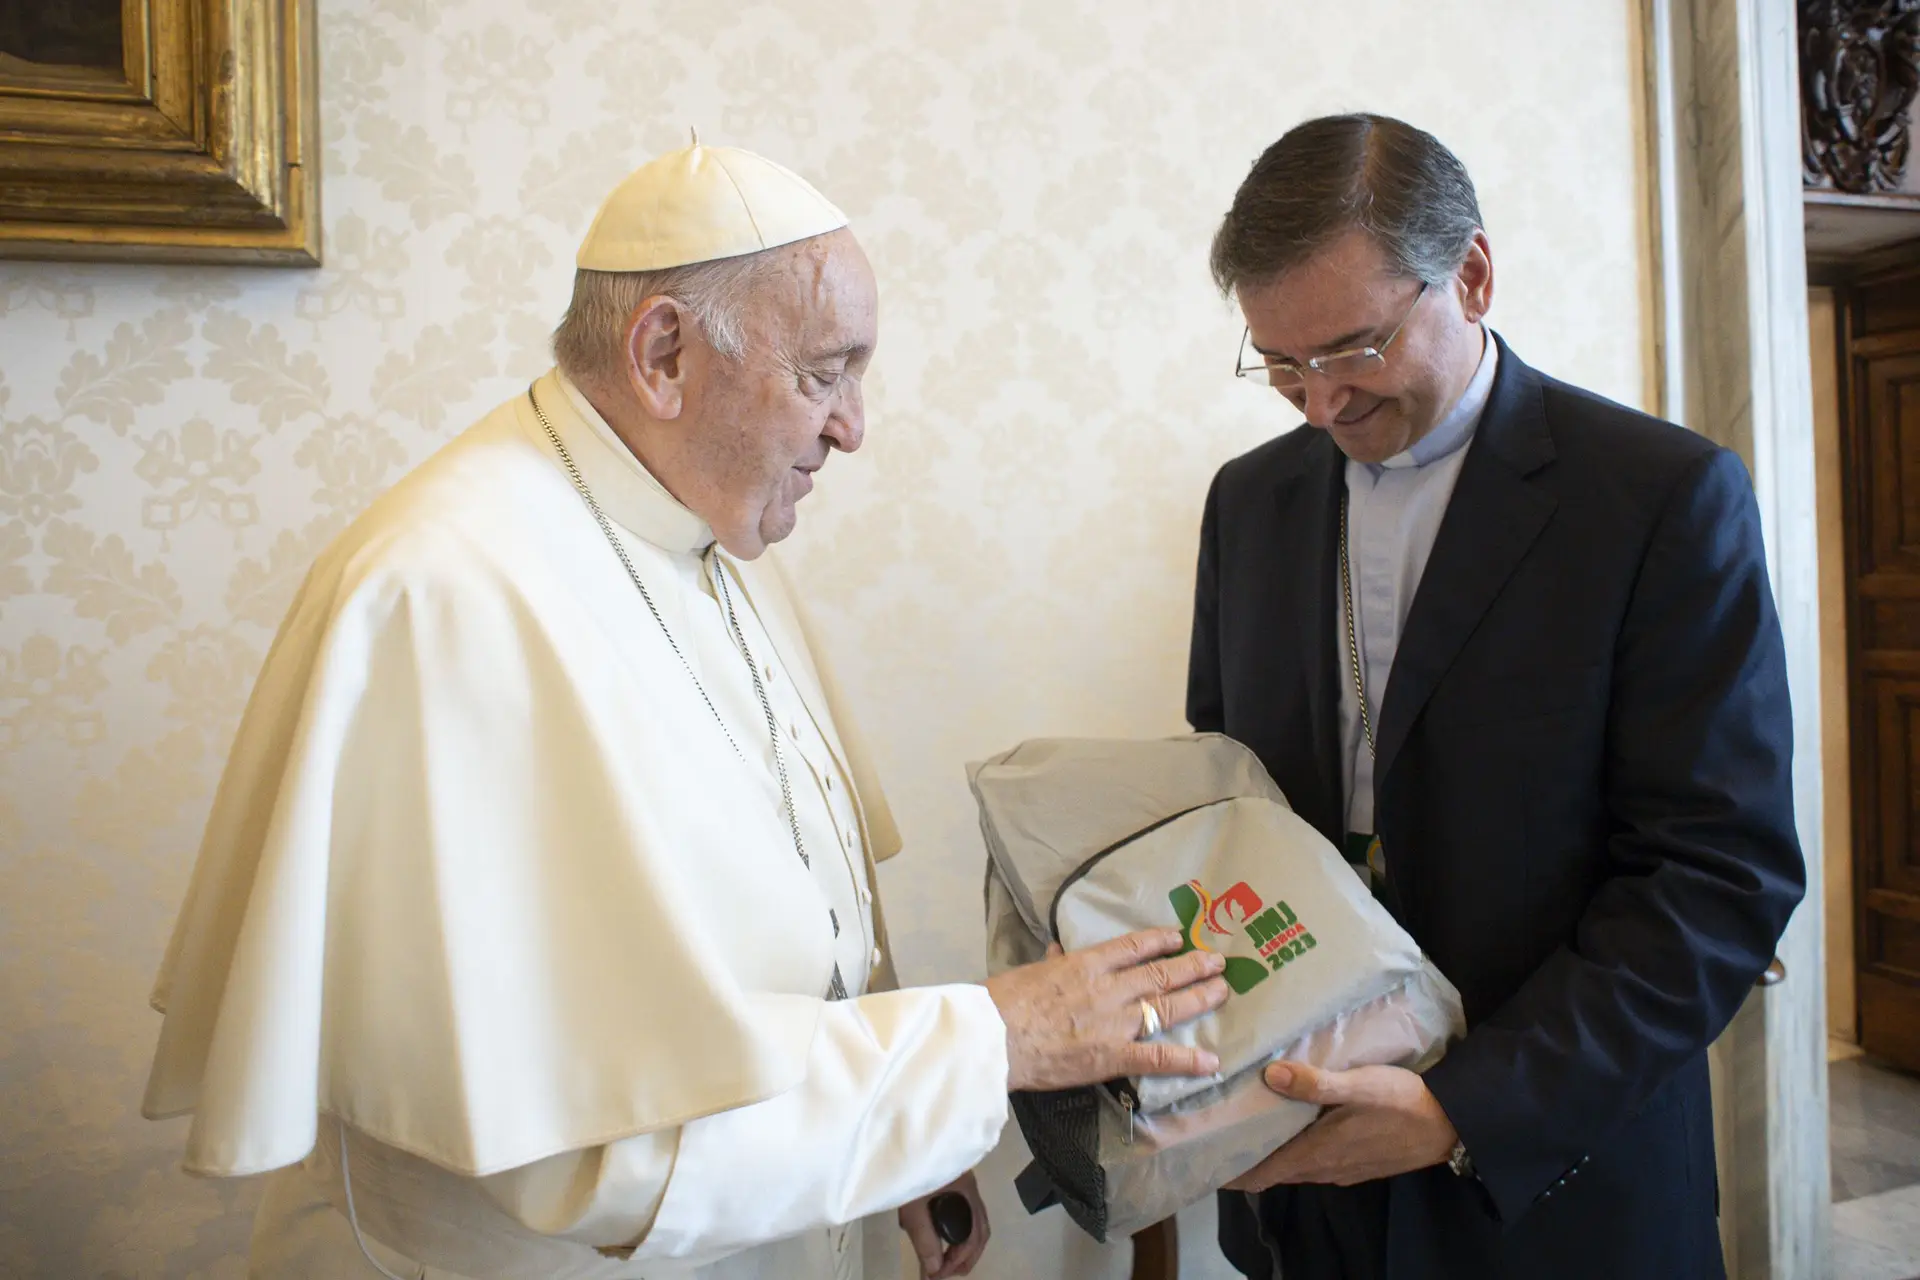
(768, 668)
(875, 959)
(829, 782)
(866, 895)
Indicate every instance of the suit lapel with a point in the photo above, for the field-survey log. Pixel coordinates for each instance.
(1493, 518)
(1309, 516)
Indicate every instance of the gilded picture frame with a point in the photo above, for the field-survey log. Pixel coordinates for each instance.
(201, 145)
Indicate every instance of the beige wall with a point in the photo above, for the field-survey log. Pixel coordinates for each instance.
(1036, 182)
(1837, 781)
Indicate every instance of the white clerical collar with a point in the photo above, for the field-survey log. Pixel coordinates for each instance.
(1457, 425)
(630, 494)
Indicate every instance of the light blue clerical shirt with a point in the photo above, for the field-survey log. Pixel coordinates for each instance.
(1394, 511)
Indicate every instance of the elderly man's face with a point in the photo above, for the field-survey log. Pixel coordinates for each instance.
(1348, 296)
(767, 421)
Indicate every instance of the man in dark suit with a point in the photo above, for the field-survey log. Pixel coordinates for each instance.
(1541, 700)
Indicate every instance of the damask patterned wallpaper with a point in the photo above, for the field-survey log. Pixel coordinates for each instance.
(1036, 181)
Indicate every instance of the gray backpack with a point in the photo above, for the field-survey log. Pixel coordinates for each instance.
(1089, 839)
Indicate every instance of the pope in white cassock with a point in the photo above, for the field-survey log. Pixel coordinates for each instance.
(533, 933)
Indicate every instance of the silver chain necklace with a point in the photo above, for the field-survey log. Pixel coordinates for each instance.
(1353, 643)
(1375, 865)
(837, 987)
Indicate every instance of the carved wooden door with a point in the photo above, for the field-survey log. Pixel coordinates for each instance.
(1881, 337)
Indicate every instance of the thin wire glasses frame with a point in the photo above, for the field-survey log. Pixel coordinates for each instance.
(1352, 362)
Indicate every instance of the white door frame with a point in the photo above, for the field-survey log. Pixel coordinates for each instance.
(1730, 359)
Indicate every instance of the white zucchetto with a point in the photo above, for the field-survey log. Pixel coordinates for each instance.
(700, 204)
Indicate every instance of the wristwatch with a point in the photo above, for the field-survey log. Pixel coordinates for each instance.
(1459, 1161)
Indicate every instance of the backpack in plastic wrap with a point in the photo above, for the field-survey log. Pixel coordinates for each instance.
(1089, 839)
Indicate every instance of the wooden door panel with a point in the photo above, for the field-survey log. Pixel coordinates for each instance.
(1890, 630)
(1890, 438)
(1896, 943)
(1881, 462)
(1890, 305)
(1892, 864)
(1888, 1028)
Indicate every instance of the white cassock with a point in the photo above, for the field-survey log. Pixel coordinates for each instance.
(489, 896)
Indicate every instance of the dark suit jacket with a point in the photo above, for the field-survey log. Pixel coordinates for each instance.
(1584, 798)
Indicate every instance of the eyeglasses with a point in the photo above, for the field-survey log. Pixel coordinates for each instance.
(1286, 375)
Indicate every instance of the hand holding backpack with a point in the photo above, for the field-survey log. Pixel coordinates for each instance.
(1090, 839)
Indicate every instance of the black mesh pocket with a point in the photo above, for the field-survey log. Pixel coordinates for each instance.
(1062, 1129)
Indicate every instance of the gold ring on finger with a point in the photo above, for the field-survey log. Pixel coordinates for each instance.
(1150, 1025)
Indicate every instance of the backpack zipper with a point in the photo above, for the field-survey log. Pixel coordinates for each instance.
(1079, 872)
(1122, 1093)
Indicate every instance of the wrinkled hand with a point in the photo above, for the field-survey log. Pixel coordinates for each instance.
(939, 1260)
(1380, 1121)
(1075, 1019)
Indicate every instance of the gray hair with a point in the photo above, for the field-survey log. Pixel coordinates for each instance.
(1329, 176)
(590, 342)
